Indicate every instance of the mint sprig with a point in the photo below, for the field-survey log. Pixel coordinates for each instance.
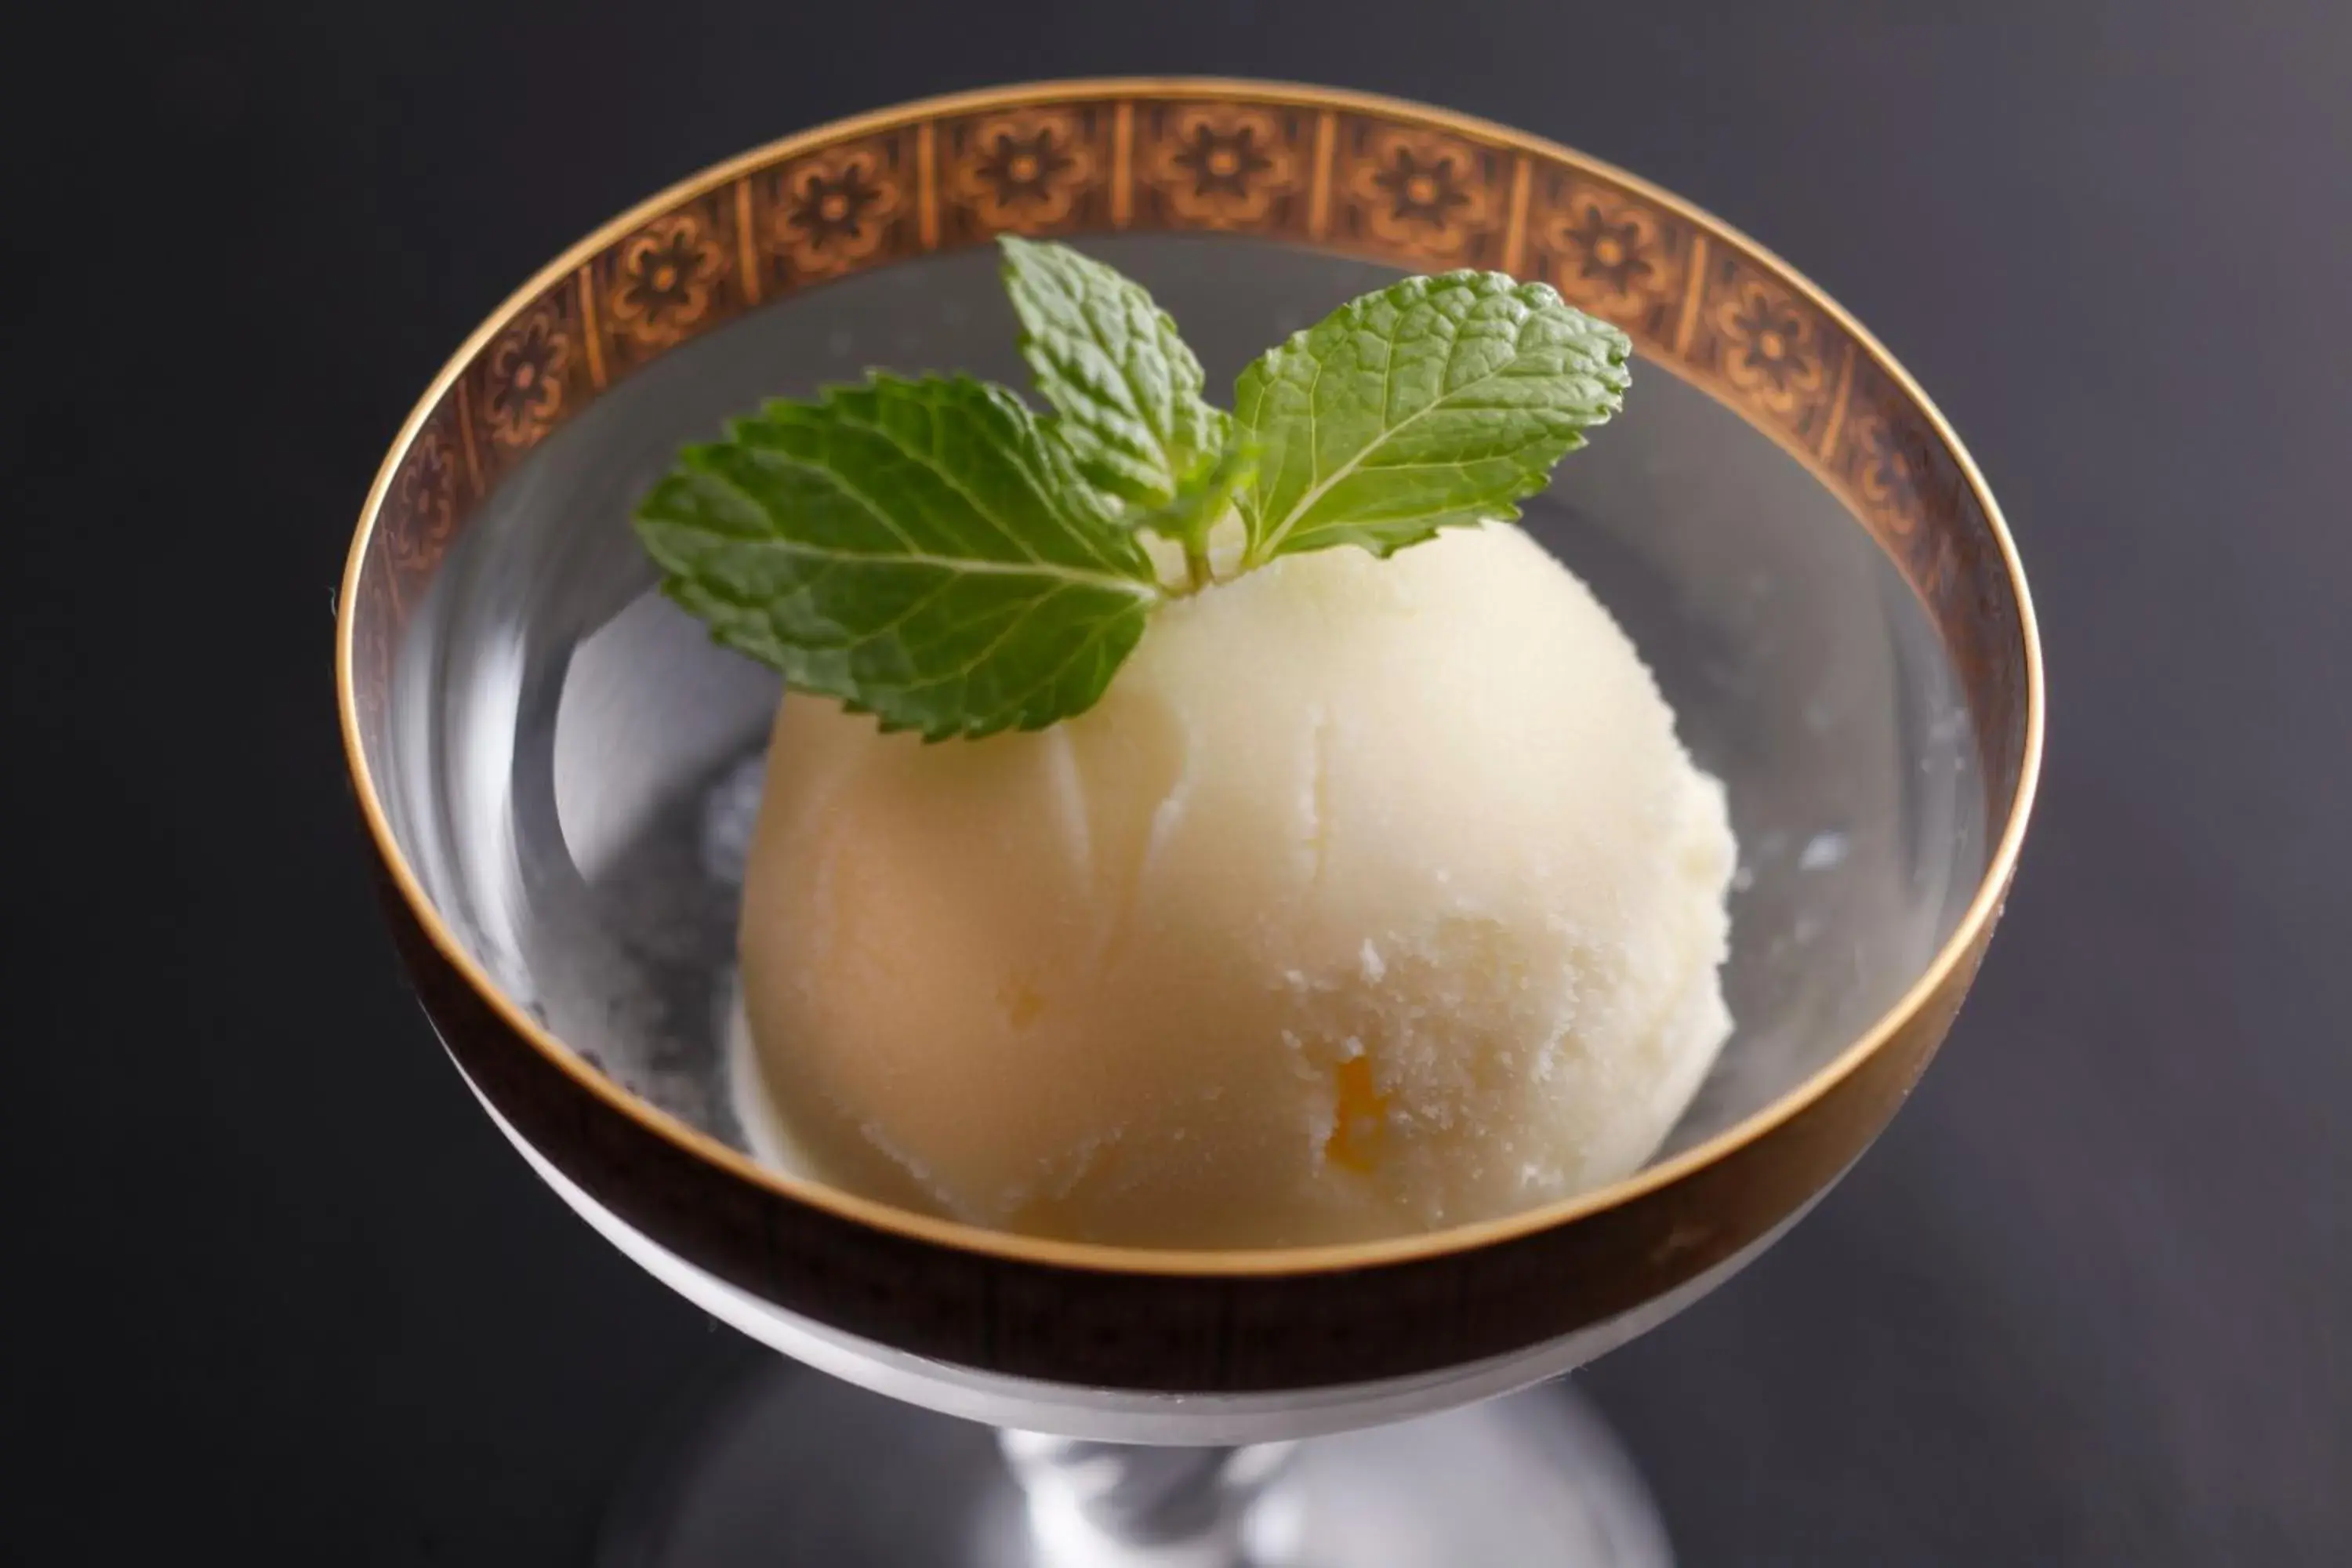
(935, 553)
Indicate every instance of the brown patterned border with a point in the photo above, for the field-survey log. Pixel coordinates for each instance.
(1416, 187)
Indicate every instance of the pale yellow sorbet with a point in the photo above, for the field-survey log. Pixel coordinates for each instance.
(1374, 897)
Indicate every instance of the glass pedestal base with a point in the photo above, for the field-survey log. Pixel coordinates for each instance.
(785, 1467)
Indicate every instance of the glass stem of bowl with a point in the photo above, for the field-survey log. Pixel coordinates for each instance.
(1114, 1505)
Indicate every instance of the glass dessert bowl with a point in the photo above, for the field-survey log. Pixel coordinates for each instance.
(559, 772)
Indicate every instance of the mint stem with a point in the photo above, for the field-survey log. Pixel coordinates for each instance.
(1196, 562)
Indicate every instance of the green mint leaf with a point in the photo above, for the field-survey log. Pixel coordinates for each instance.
(1111, 364)
(917, 549)
(1436, 402)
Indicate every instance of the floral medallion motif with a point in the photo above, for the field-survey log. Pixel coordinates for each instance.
(1610, 256)
(1890, 468)
(1222, 165)
(423, 512)
(663, 279)
(1425, 193)
(1772, 347)
(1024, 170)
(835, 210)
(526, 379)
(1902, 478)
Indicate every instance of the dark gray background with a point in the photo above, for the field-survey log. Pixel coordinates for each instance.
(278, 1293)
